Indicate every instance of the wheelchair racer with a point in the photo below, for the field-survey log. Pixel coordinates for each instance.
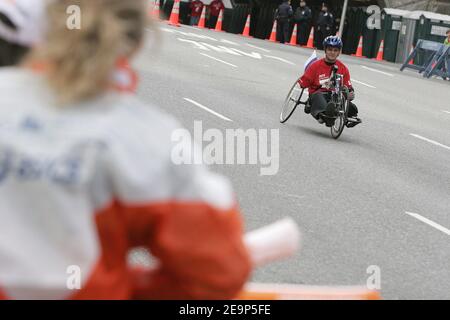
(317, 79)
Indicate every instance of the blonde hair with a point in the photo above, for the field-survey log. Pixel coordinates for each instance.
(79, 62)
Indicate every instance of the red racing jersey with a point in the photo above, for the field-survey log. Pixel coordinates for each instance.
(196, 8)
(321, 70)
(215, 7)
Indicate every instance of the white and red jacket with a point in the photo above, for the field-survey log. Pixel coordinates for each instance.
(82, 185)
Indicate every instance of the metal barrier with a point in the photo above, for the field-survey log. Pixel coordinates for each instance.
(424, 47)
(440, 64)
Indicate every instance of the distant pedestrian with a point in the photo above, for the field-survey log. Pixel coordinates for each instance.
(324, 26)
(214, 10)
(303, 17)
(446, 66)
(196, 7)
(283, 15)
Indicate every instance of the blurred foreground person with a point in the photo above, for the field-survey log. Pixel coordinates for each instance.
(86, 174)
(21, 28)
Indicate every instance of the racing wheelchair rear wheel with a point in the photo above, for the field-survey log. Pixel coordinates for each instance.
(293, 99)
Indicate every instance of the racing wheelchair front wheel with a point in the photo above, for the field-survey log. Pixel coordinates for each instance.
(341, 118)
(293, 99)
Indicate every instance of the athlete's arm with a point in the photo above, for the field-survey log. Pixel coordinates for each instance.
(348, 84)
(307, 79)
(347, 80)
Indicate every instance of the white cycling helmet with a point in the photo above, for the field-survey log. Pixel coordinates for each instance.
(27, 18)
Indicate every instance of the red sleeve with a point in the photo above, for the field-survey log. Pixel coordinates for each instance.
(200, 250)
(307, 80)
(347, 80)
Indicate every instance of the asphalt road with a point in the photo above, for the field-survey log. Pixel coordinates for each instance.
(380, 195)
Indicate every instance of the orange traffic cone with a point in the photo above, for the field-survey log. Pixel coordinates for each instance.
(246, 32)
(359, 51)
(294, 36)
(412, 60)
(202, 22)
(175, 14)
(273, 34)
(219, 22)
(310, 43)
(380, 52)
(155, 10)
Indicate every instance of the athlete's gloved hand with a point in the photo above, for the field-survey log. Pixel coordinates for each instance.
(351, 95)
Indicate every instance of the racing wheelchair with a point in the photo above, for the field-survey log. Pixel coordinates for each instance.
(339, 96)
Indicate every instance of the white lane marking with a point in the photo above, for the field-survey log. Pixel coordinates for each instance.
(254, 55)
(207, 109)
(446, 111)
(187, 34)
(375, 70)
(230, 42)
(224, 62)
(198, 36)
(195, 43)
(163, 29)
(190, 27)
(364, 84)
(429, 222)
(262, 49)
(280, 59)
(430, 141)
(220, 48)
